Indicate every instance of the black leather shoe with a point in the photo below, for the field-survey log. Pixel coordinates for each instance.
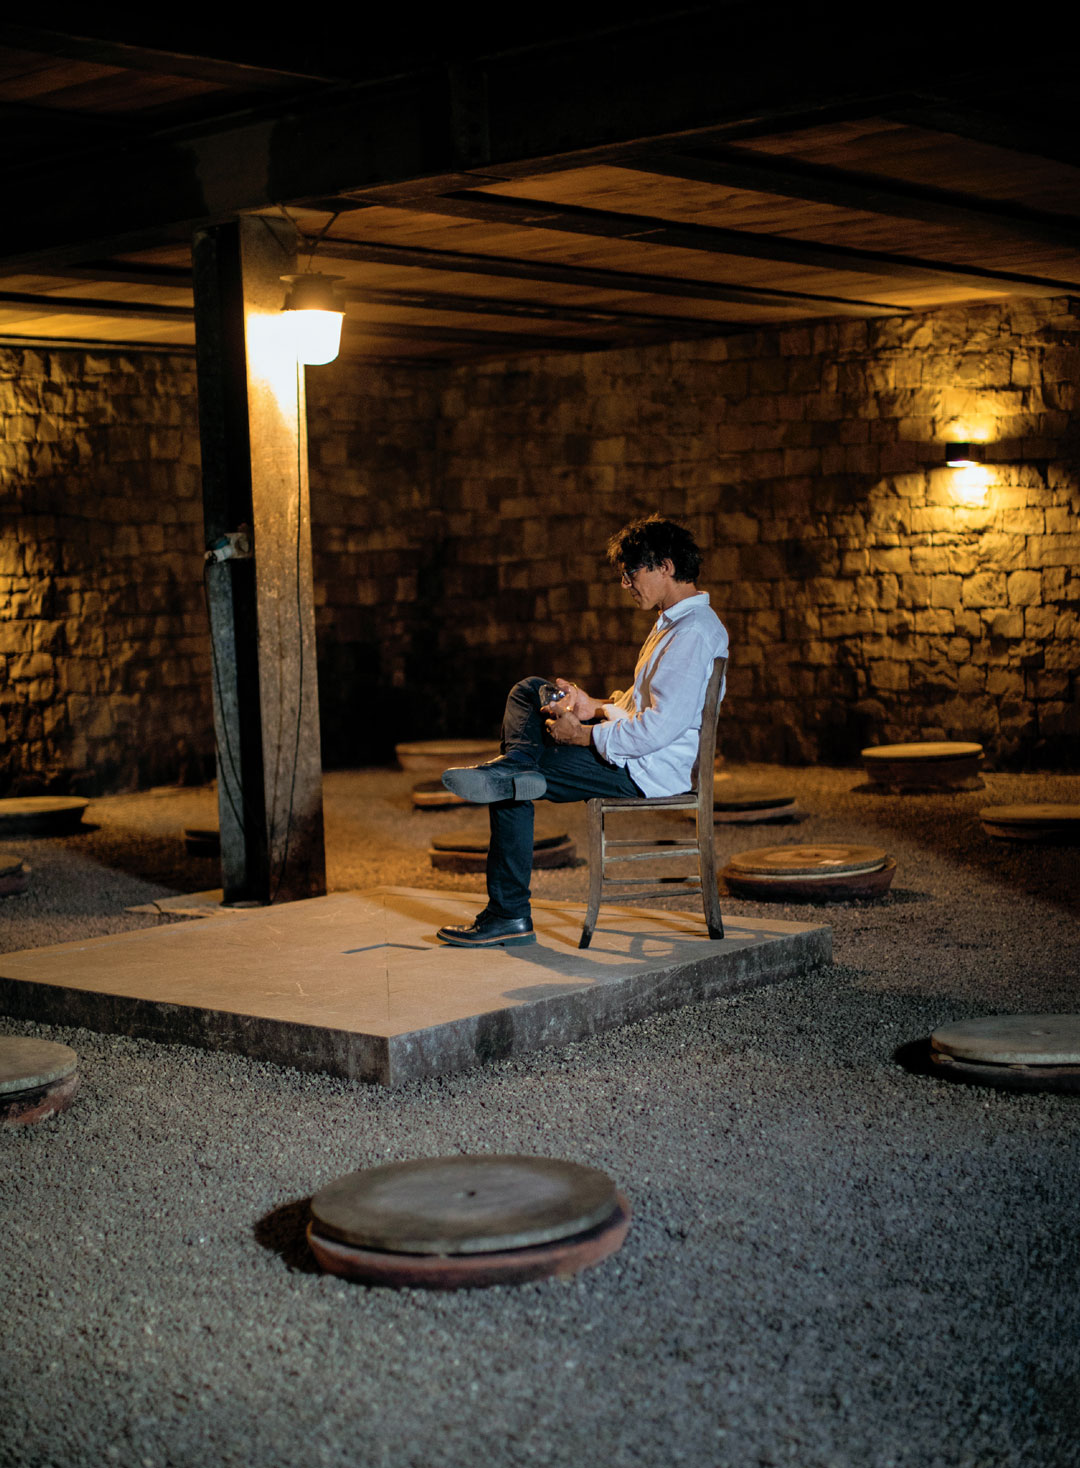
(498, 779)
(488, 931)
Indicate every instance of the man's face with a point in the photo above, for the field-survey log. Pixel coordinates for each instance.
(647, 588)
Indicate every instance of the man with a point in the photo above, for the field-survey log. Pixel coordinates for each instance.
(640, 742)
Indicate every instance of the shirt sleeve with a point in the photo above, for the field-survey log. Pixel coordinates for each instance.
(672, 694)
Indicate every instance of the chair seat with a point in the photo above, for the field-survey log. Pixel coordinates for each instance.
(649, 802)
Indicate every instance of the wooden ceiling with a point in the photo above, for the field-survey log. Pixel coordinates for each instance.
(889, 202)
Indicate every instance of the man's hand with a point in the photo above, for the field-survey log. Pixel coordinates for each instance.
(577, 701)
(567, 728)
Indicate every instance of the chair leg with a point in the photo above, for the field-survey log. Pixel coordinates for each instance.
(596, 869)
(710, 891)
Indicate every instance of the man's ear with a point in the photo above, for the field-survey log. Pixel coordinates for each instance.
(667, 565)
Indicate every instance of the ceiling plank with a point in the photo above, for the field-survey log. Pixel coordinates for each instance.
(645, 229)
(110, 52)
(461, 262)
(867, 192)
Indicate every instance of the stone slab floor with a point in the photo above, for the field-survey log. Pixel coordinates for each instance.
(832, 1262)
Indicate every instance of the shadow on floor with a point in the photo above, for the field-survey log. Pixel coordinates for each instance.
(282, 1231)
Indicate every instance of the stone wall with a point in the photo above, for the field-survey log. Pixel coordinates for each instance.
(865, 599)
(375, 543)
(459, 517)
(104, 661)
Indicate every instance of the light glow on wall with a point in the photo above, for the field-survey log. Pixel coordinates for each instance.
(971, 484)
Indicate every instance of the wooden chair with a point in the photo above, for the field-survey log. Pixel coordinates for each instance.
(701, 801)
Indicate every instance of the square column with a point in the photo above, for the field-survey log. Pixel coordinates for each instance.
(253, 431)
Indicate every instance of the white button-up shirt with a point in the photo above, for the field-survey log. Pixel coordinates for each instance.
(652, 729)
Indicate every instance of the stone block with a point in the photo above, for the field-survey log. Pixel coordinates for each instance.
(934, 622)
(1005, 682)
(30, 666)
(1044, 683)
(986, 589)
(1002, 550)
(945, 591)
(1008, 624)
(737, 528)
(1061, 656)
(896, 559)
(1024, 588)
(16, 638)
(1060, 520)
(889, 675)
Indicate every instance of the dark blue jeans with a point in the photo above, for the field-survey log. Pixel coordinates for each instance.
(572, 773)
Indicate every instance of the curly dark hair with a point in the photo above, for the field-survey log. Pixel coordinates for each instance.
(652, 540)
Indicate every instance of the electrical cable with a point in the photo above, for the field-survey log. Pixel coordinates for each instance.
(221, 708)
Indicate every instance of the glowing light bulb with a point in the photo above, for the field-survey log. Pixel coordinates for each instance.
(315, 312)
(316, 335)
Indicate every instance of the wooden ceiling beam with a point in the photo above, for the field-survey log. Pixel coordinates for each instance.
(506, 267)
(94, 344)
(424, 300)
(174, 277)
(1054, 140)
(527, 213)
(468, 336)
(791, 178)
(49, 305)
(607, 154)
(668, 75)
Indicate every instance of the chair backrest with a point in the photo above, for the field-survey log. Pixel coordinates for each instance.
(710, 713)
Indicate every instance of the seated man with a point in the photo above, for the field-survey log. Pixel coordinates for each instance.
(641, 742)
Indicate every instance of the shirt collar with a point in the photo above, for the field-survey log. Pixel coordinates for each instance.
(684, 608)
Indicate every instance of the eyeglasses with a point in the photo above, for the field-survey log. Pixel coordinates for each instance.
(628, 577)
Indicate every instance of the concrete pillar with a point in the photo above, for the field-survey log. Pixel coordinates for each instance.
(252, 424)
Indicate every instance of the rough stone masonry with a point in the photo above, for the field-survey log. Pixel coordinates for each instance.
(458, 514)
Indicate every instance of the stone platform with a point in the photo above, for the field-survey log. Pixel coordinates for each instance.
(357, 985)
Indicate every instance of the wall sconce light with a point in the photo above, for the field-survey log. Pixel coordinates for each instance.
(964, 455)
(971, 483)
(318, 309)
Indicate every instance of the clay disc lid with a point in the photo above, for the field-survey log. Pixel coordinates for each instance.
(729, 795)
(1013, 1039)
(466, 749)
(464, 1205)
(1031, 815)
(41, 813)
(940, 749)
(808, 861)
(466, 841)
(26, 1064)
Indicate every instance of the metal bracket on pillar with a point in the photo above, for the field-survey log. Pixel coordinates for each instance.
(258, 568)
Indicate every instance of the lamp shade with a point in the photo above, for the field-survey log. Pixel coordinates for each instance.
(316, 310)
(963, 455)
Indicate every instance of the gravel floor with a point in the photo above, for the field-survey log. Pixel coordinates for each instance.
(833, 1261)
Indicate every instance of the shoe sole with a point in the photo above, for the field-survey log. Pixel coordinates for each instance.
(509, 941)
(483, 787)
